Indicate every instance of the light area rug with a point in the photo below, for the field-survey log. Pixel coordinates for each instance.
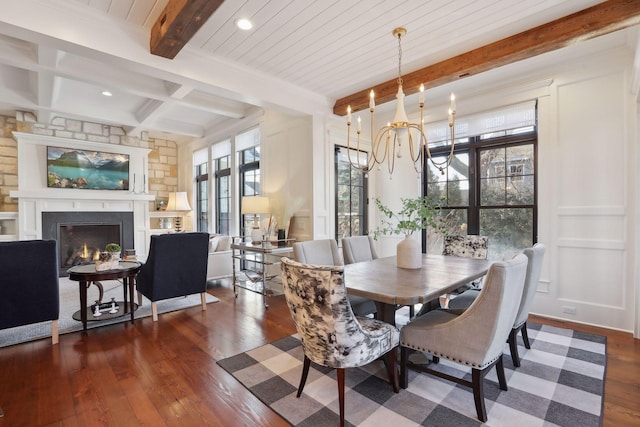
(70, 303)
(560, 383)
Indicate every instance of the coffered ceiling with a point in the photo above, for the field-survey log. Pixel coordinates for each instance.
(57, 56)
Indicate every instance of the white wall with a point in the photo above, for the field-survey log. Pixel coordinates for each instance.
(286, 169)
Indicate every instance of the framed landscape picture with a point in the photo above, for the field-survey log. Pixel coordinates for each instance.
(95, 170)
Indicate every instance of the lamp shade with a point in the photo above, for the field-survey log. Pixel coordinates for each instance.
(255, 205)
(178, 202)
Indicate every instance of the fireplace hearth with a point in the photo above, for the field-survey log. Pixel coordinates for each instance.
(82, 235)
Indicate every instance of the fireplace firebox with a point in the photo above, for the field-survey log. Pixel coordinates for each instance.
(82, 235)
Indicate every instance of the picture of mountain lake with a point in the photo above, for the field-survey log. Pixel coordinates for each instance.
(95, 170)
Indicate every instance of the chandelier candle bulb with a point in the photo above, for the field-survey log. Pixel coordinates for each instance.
(453, 104)
(372, 103)
(421, 98)
(348, 114)
(359, 124)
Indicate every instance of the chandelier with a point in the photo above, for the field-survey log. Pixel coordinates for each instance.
(387, 144)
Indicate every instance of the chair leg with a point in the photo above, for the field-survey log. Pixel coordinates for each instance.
(340, 372)
(502, 380)
(139, 299)
(513, 347)
(390, 362)
(154, 311)
(54, 331)
(203, 297)
(477, 381)
(525, 336)
(435, 360)
(412, 311)
(404, 371)
(305, 372)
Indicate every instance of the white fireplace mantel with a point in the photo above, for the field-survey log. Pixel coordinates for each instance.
(34, 197)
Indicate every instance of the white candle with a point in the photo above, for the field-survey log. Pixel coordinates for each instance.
(348, 114)
(421, 98)
(359, 124)
(372, 103)
(453, 104)
(450, 117)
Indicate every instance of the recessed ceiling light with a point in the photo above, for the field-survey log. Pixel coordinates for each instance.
(244, 24)
(107, 93)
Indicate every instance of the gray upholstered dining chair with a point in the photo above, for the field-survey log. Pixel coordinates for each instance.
(325, 252)
(476, 337)
(359, 249)
(331, 335)
(535, 255)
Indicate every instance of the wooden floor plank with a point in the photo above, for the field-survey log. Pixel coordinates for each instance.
(165, 373)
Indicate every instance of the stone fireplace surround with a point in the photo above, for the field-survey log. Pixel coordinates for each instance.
(34, 197)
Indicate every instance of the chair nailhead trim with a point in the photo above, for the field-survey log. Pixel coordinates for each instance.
(446, 356)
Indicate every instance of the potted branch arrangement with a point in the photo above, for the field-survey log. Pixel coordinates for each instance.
(415, 214)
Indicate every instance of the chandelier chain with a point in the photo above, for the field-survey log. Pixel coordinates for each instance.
(400, 59)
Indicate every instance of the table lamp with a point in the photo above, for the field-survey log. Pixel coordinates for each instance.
(255, 205)
(178, 203)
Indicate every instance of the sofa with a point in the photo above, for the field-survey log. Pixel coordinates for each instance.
(29, 288)
(219, 263)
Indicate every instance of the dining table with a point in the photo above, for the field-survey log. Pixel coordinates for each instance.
(388, 285)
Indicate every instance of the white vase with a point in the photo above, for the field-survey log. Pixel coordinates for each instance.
(409, 253)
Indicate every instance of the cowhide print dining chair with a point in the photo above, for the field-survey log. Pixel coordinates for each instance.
(331, 335)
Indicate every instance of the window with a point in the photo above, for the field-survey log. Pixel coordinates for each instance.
(223, 194)
(202, 198)
(489, 189)
(249, 170)
(351, 196)
(201, 190)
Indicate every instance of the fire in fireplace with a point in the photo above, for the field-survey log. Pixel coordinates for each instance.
(82, 236)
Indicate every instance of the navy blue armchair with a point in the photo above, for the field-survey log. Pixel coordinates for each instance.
(176, 266)
(29, 287)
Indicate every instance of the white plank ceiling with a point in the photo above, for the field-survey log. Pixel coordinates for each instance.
(301, 54)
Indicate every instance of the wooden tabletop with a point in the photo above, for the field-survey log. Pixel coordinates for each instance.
(381, 280)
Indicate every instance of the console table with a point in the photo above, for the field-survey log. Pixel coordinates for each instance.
(261, 256)
(84, 274)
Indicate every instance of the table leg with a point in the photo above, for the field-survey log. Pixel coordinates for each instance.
(83, 303)
(386, 312)
(132, 285)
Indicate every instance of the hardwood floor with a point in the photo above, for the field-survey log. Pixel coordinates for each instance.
(165, 374)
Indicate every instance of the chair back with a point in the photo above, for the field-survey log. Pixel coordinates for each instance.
(358, 249)
(29, 284)
(486, 324)
(468, 246)
(176, 266)
(318, 252)
(535, 255)
(328, 329)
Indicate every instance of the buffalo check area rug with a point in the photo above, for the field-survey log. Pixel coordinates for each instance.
(560, 382)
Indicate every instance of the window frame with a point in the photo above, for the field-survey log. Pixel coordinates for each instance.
(364, 207)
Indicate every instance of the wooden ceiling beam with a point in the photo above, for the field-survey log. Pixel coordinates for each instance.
(177, 23)
(604, 18)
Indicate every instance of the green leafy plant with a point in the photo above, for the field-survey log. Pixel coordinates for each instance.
(416, 214)
(112, 247)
